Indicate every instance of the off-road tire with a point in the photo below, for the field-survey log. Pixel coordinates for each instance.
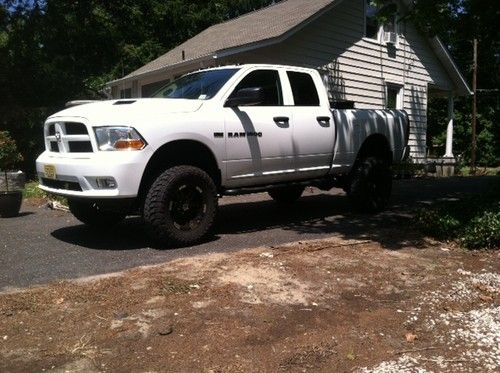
(91, 214)
(286, 195)
(181, 206)
(370, 184)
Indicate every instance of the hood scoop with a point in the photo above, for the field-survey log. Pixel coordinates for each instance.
(124, 102)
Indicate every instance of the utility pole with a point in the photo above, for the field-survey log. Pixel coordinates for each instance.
(474, 112)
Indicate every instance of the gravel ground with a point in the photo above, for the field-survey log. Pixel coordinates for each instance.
(466, 326)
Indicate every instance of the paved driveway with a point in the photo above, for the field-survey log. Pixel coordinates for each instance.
(42, 245)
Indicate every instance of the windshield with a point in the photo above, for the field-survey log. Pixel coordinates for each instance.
(197, 86)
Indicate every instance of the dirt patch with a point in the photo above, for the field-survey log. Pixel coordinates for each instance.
(328, 305)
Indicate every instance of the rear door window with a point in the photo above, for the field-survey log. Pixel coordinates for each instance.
(303, 89)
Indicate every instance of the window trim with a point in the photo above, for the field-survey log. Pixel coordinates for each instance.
(399, 97)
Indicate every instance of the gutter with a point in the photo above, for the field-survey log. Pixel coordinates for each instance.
(445, 57)
(159, 70)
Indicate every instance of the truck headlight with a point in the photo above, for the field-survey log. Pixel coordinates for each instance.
(118, 138)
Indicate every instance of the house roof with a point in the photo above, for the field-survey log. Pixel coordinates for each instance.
(264, 24)
(450, 66)
(262, 27)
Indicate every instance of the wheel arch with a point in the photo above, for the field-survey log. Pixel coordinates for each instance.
(177, 153)
(369, 183)
(375, 145)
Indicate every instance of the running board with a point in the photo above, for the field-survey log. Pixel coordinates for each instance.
(323, 184)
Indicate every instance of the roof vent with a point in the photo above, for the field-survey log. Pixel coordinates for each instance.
(79, 102)
(124, 102)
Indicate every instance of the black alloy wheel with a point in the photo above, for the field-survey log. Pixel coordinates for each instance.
(181, 206)
(370, 184)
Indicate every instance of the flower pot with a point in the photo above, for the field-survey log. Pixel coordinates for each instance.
(11, 181)
(11, 193)
(10, 203)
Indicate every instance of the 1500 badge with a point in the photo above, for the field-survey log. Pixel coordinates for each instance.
(238, 135)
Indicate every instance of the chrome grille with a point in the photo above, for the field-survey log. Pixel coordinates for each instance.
(67, 137)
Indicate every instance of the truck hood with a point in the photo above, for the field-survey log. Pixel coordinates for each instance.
(124, 111)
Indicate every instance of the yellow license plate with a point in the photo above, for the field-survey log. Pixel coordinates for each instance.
(50, 171)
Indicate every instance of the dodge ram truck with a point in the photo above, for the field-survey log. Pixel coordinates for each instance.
(220, 131)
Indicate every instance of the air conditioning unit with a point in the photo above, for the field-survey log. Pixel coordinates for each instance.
(390, 38)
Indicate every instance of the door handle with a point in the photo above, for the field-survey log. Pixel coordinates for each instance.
(283, 121)
(323, 120)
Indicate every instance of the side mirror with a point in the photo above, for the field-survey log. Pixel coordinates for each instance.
(246, 97)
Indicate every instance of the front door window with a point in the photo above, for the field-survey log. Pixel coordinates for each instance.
(269, 80)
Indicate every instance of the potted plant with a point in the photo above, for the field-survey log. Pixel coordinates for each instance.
(11, 181)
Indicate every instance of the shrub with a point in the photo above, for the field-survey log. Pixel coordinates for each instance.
(483, 232)
(474, 222)
(437, 223)
(9, 155)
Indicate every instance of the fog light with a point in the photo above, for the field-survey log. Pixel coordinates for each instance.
(105, 183)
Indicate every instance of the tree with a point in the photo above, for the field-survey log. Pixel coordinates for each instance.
(53, 51)
(458, 22)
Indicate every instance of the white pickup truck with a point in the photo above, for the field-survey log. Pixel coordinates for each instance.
(215, 132)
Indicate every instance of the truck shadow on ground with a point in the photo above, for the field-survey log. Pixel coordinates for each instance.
(316, 214)
(128, 235)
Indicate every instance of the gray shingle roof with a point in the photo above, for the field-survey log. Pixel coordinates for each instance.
(264, 24)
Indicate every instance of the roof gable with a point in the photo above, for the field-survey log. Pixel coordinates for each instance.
(269, 25)
(264, 24)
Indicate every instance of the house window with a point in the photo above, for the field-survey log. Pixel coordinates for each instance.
(148, 90)
(394, 96)
(126, 93)
(390, 24)
(303, 88)
(374, 13)
(371, 23)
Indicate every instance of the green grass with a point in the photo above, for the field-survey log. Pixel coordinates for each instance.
(32, 191)
(480, 171)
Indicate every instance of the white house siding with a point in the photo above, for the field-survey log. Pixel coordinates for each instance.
(361, 67)
(358, 68)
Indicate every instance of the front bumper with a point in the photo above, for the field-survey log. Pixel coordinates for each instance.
(77, 176)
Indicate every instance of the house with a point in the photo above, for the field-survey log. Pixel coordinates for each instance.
(376, 66)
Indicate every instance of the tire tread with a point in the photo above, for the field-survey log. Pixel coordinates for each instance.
(155, 209)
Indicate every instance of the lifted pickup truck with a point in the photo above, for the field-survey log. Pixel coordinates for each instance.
(220, 131)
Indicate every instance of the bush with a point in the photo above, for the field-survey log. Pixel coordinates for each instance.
(25, 126)
(437, 223)
(483, 232)
(473, 222)
(9, 155)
